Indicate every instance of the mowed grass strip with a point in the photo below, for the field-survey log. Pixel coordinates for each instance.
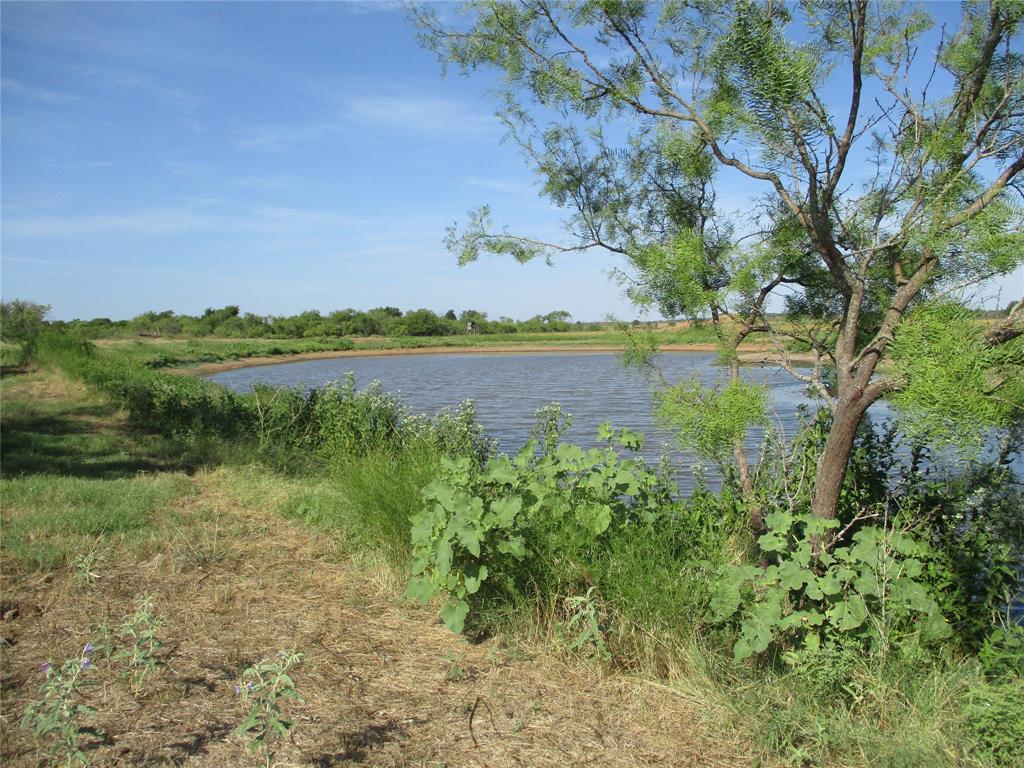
(74, 475)
(48, 518)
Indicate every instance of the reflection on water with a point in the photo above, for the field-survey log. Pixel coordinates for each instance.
(508, 389)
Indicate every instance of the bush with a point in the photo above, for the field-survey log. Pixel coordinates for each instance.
(993, 716)
(330, 423)
(873, 594)
(557, 522)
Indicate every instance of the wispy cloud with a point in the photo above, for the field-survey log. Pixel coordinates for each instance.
(183, 167)
(281, 137)
(497, 185)
(412, 115)
(184, 219)
(31, 93)
(89, 165)
(364, 7)
(268, 182)
(154, 221)
(419, 114)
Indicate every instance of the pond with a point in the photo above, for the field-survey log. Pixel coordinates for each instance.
(507, 390)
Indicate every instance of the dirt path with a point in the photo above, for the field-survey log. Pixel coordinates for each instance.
(384, 684)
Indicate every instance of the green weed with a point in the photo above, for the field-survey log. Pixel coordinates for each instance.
(267, 688)
(55, 716)
(139, 645)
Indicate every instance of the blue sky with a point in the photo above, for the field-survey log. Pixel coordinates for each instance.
(279, 156)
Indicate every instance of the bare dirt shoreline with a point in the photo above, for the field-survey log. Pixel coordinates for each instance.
(752, 355)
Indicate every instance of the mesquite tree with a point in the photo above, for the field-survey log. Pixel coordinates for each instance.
(883, 150)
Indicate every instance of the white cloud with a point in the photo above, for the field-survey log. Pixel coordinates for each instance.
(273, 181)
(32, 93)
(411, 114)
(154, 221)
(196, 216)
(418, 114)
(281, 138)
(497, 185)
(364, 7)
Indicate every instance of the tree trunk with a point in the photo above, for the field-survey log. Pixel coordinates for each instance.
(828, 481)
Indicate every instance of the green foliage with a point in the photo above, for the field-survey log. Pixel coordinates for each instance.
(973, 521)
(23, 322)
(267, 687)
(140, 644)
(953, 382)
(481, 530)
(626, 110)
(55, 715)
(557, 534)
(584, 624)
(258, 335)
(331, 422)
(87, 567)
(710, 421)
(1002, 652)
(453, 541)
(549, 426)
(478, 238)
(968, 513)
(640, 346)
(677, 278)
(875, 593)
(993, 716)
(368, 499)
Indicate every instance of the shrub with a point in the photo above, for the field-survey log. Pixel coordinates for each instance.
(877, 592)
(541, 523)
(993, 716)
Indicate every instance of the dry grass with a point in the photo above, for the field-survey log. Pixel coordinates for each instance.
(43, 386)
(383, 682)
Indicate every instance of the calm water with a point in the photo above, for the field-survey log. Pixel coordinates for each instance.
(508, 389)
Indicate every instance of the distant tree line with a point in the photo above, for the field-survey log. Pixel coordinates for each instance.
(230, 322)
(20, 320)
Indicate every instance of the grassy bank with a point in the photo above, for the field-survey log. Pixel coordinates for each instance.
(271, 522)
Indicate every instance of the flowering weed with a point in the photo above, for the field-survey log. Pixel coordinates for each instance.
(265, 686)
(54, 715)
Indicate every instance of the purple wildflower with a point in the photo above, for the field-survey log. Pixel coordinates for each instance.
(86, 664)
(238, 691)
(45, 667)
(89, 648)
